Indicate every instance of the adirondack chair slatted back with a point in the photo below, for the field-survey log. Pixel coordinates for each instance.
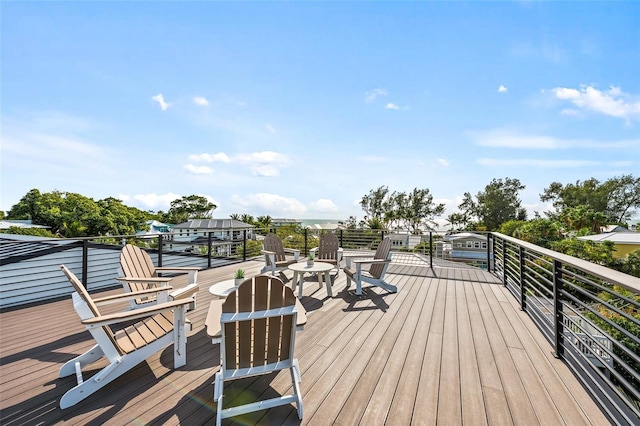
(137, 263)
(84, 295)
(376, 270)
(273, 243)
(262, 341)
(130, 338)
(328, 247)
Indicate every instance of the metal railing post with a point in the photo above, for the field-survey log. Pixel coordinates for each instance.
(431, 249)
(209, 249)
(489, 247)
(306, 243)
(160, 244)
(244, 246)
(85, 262)
(504, 262)
(341, 238)
(557, 308)
(523, 295)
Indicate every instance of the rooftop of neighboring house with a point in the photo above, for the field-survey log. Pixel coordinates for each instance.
(6, 224)
(213, 224)
(466, 236)
(616, 237)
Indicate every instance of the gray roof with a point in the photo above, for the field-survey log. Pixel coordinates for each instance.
(616, 237)
(213, 224)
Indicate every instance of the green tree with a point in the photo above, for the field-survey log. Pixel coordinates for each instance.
(190, 207)
(511, 227)
(495, 205)
(36, 232)
(414, 211)
(373, 204)
(616, 198)
(417, 210)
(541, 232)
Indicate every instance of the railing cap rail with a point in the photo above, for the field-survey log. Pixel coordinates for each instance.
(629, 282)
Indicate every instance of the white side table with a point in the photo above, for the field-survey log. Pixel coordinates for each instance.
(301, 268)
(223, 288)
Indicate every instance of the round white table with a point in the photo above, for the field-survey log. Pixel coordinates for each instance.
(321, 268)
(223, 288)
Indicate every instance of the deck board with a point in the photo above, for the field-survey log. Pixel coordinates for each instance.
(450, 347)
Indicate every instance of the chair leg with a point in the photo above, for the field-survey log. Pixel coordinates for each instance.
(296, 379)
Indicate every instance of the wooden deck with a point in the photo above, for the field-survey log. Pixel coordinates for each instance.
(451, 347)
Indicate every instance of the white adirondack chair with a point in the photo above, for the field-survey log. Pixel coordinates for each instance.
(258, 337)
(157, 327)
(374, 275)
(275, 255)
(139, 273)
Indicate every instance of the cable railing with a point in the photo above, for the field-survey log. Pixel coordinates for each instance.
(588, 313)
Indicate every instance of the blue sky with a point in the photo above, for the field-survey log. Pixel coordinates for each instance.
(298, 109)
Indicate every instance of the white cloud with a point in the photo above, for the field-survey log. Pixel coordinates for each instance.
(151, 201)
(270, 129)
(272, 204)
(159, 98)
(505, 138)
(569, 111)
(265, 163)
(612, 102)
(264, 157)
(374, 94)
(443, 162)
(265, 170)
(220, 157)
(392, 106)
(502, 89)
(323, 205)
(198, 170)
(532, 162)
(200, 101)
(156, 201)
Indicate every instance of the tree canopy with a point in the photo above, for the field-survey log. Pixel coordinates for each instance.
(616, 198)
(414, 211)
(496, 204)
(73, 215)
(190, 207)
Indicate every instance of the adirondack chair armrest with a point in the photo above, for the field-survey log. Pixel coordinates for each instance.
(348, 257)
(177, 268)
(157, 280)
(191, 270)
(131, 295)
(183, 292)
(295, 252)
(371, 261)
(149, 311)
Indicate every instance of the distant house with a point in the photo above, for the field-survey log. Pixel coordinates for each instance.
(225, 233)
(404, 241)
(463, 247)
(155, 228)
(624, 242)
(613, 228)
